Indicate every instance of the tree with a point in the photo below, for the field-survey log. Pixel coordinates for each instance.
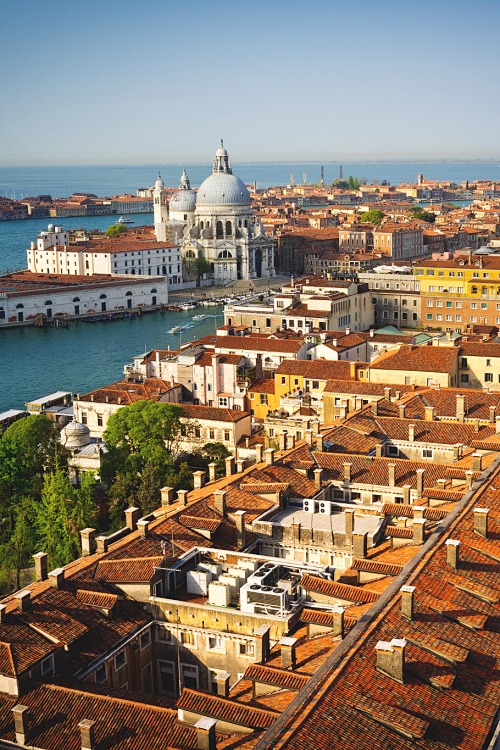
(196, 267)
(419, 213)
(16, 548)
(215, 453)
(149, 495)
(115, 230)
(123, 493)
(374, 216)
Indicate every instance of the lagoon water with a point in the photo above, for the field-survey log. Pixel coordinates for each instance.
(34, 362)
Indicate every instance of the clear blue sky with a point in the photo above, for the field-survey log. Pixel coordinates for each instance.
(153, 81)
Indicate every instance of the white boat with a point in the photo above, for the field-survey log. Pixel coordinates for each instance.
(176, 329)
(123, 220)
(201, 317)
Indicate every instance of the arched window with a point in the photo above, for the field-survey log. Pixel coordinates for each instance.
(225, 254)
(103, 296)
(128, 294)
(133, 271)
(201, 225)
(246, 222)
(153, 291)
(76, 299)
(189, 254)
(48, 302)
(219, 230)
(229, 229)
(484, 291)
(474, 290)
(164, 270)
(19, 307)
(240, 222)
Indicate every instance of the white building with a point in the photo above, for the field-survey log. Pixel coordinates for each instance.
(217, 224)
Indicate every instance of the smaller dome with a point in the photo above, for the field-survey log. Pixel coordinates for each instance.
(159, 184)
(221, 151)
(183, 200)
(75, 435)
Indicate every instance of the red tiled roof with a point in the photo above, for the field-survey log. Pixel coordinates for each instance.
(372, 566)
(97, 599)
(399, 532)
(254, 344)
(338, 590)
(224, 709)
(127, 570)
(321, 617)
(272, 676)
(210, 524)
(418, 359)
(322, 369)
(402, 721)
(397, 509)
(213, 413)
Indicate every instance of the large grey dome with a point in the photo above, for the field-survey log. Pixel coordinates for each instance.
(222, 188)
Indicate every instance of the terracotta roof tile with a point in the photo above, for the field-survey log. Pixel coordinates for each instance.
(224, 709)
(282, 678)
(338, 590)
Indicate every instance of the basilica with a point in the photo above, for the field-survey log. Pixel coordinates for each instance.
(216, 223)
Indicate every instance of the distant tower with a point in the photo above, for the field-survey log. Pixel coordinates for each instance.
(160, 206)
(292, 179)
(255, 187)
(304, 178)
(421, 179)
(341, 171)
(322, 180)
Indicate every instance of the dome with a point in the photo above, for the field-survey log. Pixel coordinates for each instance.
(223, 188)
(159, 184)
(221, 151)
(75, 435)
(183, 200)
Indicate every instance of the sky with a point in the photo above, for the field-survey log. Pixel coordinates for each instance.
(149, 81)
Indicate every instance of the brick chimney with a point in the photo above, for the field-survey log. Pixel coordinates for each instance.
(131, 517)
(318, 478)
(143, 528)
(411, 433)
(418, 531)
(387, 393)
(23, 599)
(453, 553)
(460, 410)
(319, 443)
(418, 511)
(379, 450)
(374, 408)
(349, 522)
(391, 658)
(481, 522)
(469, 478)
(290, 442)
(229, 461)
(392, 474)
(282, 440)
(240, 528)
(347, 472)
(220, 501)
(477, 462)
(262, 649)
(402, 411)
(199, 478)
(167, 496)
(338, 621)
(205, 733)
(88, 541)
(269, 457)
(308, 435)
(420, 482)
(20, 723)
(56, 578)
(406, 494)
(407, 602)
(359, 544)
(222, 681)
(258, 452)
(87, 734)
(41, 569)
(288, 658)
(182, 497)
(492, 414)
(212, 472)
(429, 414)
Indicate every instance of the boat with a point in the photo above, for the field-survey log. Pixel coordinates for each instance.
(123, 220)
(176, 329)
(201, 317)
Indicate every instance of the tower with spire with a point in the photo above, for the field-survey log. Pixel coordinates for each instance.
(160, 205)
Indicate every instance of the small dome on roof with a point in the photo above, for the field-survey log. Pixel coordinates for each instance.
(75, 435)
(159, 184)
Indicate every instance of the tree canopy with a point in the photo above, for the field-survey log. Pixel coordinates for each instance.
(116, 229)
(374, 216)
(352, 183)
(420, 213)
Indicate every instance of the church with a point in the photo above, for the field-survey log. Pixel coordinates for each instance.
(216, 223)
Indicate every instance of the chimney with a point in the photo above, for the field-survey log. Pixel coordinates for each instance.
(318, 478)
(288, 659)
(102, 544)
(392, 474)
(240, 528)
(282, 440)
(374, 408)
(261, 636)
(320, 442)
(315, 427)
(240, 465)
(352, 370)
(182, 497)
(418, 511)
(258, 452)
(391, 658)
(349, 522)
(56, 578)
(469, 478)
(387, 393)
(457, 449)
(453, 553)
(338, 621)
(205, 733)
(220, 501)
(347, 472)
(420, 482)
(212, 472)
(429, 414)
(379, 450)
(492, 414)
(476, 425)
(481, 522)
(418, 531)
(143, 528)
(229, 461)
(359, 544)
(23, 599)
(88, 541)
(308, 435)
(41, 570)
(477, 462)
(372, 333)
(290, 442)
(131, 517)
(167, 496)
(295, 527)
(20, 723)
(222, 681)
(407, 600)
(269, 457)
(3, 613)
(406, 494)
(87, 733)
(411, 433)
(402, 411)
(199, 478)
(497, 425)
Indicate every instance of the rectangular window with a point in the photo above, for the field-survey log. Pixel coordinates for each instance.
(473, 318)
(145, 640)
(430, 316)
(189, 676)
(432, 288)
(99, 420)
(84, 417)
(458, 305)
(427, 453)
(188, 639)
(449, 318)
(263, 398)
(315, 385)
(246, 649)
(473, 305)
(464, 378)
(460, 289)
(227, 436)
(449, 303)
(430, 303)
(439, 317)
(283, 380)
(392, 450)
(216, 643)
(166, 678)
(439, 303)
(101, 673)
(484, 305)
(163, 635)
(120, 660)
(488, 377)
(47, 666)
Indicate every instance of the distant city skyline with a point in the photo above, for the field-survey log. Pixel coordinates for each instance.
(157, 82)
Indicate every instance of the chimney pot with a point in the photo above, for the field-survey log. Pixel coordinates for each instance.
(240, 528)
(23, 599)
(453, 553)
(88, 541)
(481, 522)
(391, 658)
(407, 602)
(288, 658)
(205, 733)
(199, 478)
(258, 452)
(41, 569)
(143, 528)
(269, 457)
(56, 578)
(20, 723)
(131, 517)
(182, 497)
(167, 496)
(220, 501)
(87, 734)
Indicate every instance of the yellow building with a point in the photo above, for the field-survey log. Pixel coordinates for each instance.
(261, 398)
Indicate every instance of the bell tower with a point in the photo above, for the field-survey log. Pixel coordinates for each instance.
(160, 206)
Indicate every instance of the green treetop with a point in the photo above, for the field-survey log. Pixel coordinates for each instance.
(116, 229)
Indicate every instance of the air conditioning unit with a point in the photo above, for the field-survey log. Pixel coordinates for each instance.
(219, 594)
(325, 507)
(308, 506)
